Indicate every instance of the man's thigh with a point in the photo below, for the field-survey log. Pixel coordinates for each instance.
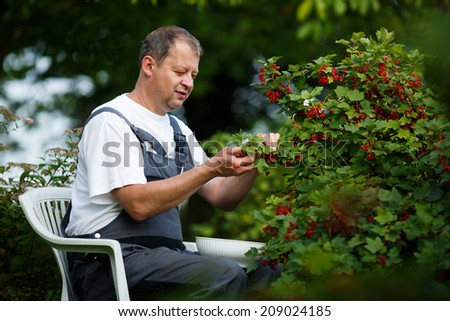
(162, 273)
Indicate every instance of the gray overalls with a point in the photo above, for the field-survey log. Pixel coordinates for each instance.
(156, 262)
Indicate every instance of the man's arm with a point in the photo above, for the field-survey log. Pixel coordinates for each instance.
(225, 192)
(145, 200)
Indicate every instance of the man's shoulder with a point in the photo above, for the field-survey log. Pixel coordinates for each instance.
(112, 111)
(104, 116)
(118, 103)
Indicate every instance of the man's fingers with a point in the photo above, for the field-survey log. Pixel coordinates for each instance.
(270, 139)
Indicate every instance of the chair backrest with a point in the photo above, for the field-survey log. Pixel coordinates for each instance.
(44, 209)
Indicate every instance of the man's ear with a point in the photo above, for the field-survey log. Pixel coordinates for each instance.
(147, 65)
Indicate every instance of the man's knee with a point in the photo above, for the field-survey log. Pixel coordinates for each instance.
(222, 280)
(237, 273)
(228, 271)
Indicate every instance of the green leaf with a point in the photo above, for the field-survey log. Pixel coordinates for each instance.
(356, 35)
(341, 91)
(343, 105)
(392, 236)
(428, 253)
(365, 41)
(293, 68)
(395, 147)
(434, 193)
(390, 195)
(318, 261)
(295, 97)
(394, 124)
(340, 7)
(261, 166)
(355, 241)
(316, 91)
(423, 212)
(355, 95)
(351, 113)
(351, 128)
(274, 59)
(375, 245)
(304, 9)
(384, 216)
(412, 231)
(404, 133)
(252, 255)
(383, 35)
(261, 216)
(394, 256)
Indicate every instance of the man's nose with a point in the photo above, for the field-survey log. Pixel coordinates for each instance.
(188, 81)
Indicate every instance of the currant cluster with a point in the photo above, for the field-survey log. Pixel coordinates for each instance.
(328, 74)
(272, 263)
(272, 69)
(381, 260)
(339, 224)
(270, 158)
(290, 232)
(270, 230)
(273, 95)
(404, 216)
(283, 210)
(369, 154)
(310, 228)
(317, 112)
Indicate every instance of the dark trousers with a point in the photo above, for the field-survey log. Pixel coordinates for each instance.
(164, 274)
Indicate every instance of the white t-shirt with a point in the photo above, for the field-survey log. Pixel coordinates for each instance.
(110, 157)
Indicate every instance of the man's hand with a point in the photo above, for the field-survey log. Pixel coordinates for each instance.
(270, 139)
(231, 161)
(235, 173)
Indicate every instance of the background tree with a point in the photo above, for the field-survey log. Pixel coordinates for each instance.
(95, 44)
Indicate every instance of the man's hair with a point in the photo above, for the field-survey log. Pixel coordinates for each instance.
(158, 42)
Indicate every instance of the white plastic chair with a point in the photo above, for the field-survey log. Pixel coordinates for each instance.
(44, 207)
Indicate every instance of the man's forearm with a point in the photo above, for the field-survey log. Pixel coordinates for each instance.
(145, 200)
(226, 193)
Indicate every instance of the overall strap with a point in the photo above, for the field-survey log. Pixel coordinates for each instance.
(108, 109)
(175, 125)
(183, 156)
(173, 121)
(141, 136)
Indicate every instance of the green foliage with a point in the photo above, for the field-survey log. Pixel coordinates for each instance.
(28, 268)
(95, 47)
(239, 223)
(368, 158)
(318, 17)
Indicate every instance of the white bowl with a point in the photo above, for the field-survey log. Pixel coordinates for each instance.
(226, 248)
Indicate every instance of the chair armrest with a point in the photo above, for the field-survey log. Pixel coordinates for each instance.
(191, 246)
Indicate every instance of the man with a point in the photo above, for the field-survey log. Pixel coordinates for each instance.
(136, 165)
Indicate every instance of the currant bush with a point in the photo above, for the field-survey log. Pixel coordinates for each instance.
(366, 151)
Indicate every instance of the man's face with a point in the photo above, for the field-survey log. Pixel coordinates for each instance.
(173, 79)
